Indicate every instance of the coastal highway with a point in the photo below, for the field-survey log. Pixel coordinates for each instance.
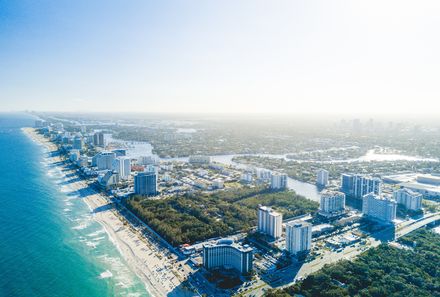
(402, 230)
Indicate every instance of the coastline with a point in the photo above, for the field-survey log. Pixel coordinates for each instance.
(143, 256)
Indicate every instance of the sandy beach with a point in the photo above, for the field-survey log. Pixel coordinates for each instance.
(153, 263)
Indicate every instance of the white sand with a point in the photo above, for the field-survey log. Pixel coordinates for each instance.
(142, 255)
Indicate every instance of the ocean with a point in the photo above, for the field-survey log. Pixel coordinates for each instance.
(50, 244)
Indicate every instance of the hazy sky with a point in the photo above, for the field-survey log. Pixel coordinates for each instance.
(220, 56)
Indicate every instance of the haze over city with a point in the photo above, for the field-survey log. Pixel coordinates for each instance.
(229, 148)
(220, 56)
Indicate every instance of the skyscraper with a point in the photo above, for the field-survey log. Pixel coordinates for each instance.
(269, 222)
(145, 183)
(298, 236)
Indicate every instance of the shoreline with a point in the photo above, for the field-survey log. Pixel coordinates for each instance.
(143, 256)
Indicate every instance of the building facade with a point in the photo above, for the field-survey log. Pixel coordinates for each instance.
(78, 143)
(270, 222)
(145, 183)
(98, 139)
(104, 160)
(199, 159)
(411, 200)
(332, 203)
(381, 208)
(298, 237)
(278, 181)
(122, 165)
(227, 254)
(358, 185)
(322, 178)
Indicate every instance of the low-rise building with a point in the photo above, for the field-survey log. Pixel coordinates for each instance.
(217, 184)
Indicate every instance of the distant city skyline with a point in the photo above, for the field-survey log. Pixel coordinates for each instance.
(340, 57)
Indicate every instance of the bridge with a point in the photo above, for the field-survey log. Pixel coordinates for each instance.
(410, 226)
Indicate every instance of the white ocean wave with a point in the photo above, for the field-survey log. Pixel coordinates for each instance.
(80, 226)
(106, 274)
(92, 244)
(96, 233)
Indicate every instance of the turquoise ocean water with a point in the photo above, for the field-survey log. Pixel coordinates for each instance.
(49, 243)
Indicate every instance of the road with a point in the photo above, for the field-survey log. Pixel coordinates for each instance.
(408, 228)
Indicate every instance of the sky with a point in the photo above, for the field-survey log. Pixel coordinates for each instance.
(226, 56)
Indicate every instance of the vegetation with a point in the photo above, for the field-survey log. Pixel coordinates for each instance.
(383, 271)
(194, 217)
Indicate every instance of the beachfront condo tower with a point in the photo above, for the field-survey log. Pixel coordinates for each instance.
(145, 183)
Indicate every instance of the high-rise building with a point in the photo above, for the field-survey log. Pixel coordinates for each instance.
(347, 182)
(225, 253)
(74, 155)
(263, 174)
(411, 200)
(381, 208)
(246, 177)
(120, 152)
(104, 160)
(298, 236)
(358, 185)
(278, 181)
(77, 143)
(58, 126)
(332, 203)
(148, 160)
(270, 222)
(98, 139)
(40, 123)
(108, 180)
(145, 183)
(322, 178)
(199, 159)
(122, 165)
